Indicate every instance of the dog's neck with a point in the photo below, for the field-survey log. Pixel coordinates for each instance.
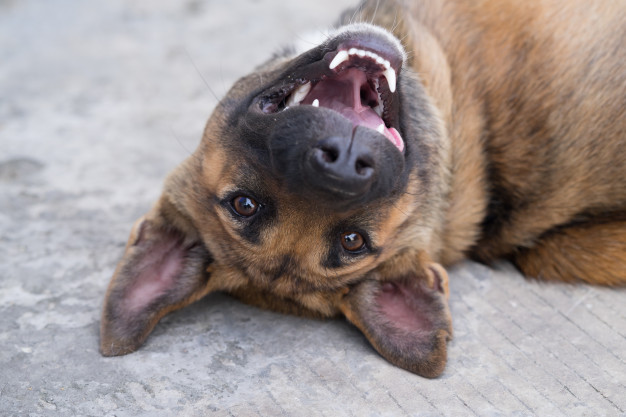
(465, 200)
(424, 31)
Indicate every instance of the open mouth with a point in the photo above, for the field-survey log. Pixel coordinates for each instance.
(357, 80)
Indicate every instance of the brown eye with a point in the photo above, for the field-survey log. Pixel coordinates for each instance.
(352, 241)
(245, 206)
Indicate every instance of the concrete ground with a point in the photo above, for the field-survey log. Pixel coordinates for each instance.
(98, 101)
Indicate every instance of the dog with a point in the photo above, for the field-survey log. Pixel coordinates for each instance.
(343, 179)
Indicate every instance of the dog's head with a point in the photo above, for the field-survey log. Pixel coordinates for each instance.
(316, 190)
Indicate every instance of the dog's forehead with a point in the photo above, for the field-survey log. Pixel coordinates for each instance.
(214, 165)
(228, 164)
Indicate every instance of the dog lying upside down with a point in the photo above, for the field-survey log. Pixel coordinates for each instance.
(343, 179)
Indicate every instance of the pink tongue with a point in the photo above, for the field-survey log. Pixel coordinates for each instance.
(343, 94)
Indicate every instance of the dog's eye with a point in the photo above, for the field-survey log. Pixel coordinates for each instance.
(245, 206)
(352, 241)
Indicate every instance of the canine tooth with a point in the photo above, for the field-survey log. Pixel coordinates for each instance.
(381, 128)
(338, 59)
(299, 94)
(390, 75)
(316, 103)
(379, 109)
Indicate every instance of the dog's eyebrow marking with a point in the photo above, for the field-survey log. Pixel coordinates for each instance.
(333, 259)
(251, 231)
(287, 265)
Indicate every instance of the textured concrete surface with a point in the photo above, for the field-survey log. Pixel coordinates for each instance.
(98, 101)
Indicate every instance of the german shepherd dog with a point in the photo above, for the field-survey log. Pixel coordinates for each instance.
(341, 180)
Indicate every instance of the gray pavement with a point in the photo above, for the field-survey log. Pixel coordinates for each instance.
(98, 101)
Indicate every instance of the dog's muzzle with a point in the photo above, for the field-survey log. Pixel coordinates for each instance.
(334, 115)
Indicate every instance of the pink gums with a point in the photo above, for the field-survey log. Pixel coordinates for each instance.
(344, 95)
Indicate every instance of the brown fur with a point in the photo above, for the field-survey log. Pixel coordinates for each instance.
(524, 151)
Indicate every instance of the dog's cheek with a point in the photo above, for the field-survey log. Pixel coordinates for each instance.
(406, 321)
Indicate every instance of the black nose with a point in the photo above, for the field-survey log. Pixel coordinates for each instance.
(341, 166)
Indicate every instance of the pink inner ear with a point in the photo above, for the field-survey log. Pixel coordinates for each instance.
(404, 309)
(157, 271)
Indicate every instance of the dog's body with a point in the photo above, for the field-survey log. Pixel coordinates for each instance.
(339, 180)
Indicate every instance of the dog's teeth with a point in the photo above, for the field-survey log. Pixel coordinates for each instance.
(298, 95)
(390, 75)
(316, 103)
(379, 109)
(381, 128)
(338, 59)
(302, 91)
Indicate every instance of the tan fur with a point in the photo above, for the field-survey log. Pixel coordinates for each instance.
(525, 161)
(566, 254)
(511, 65)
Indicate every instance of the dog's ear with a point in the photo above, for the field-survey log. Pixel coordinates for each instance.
(407, 321)
(165, 267)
